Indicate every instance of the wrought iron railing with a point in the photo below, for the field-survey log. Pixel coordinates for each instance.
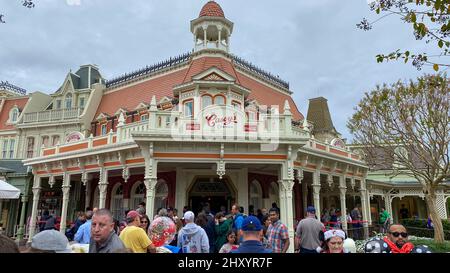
(11, 87)
(266, 75)
(148, 70)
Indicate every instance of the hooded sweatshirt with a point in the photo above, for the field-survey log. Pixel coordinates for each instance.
(193, 239)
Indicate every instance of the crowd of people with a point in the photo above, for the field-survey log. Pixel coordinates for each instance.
(223, 232)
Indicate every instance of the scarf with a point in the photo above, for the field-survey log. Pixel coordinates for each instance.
(406, 248)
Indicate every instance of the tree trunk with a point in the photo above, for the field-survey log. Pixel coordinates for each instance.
(430, 198)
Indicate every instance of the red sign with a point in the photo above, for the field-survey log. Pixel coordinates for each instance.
(192, 126)
(214, 120)
(251, 128)
(73, 137)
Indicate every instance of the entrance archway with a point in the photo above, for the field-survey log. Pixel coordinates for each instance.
(212, 190)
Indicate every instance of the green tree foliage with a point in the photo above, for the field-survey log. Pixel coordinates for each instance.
(429, 20)
(410, 124)
(26, 3)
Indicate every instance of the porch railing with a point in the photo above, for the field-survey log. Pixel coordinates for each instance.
(52, 115)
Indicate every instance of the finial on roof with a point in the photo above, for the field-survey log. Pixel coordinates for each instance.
(287, 108)
(153, 105)
(305, 125)
(121, 120)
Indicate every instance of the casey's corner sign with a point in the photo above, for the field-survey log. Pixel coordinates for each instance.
(74, 137)
(219, 120)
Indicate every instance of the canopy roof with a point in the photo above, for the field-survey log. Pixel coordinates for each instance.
(8, 191)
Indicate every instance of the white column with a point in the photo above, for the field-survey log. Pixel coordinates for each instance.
(286, 209)
(204, 37)
(369, 219)
(365, 209)
(181, 194)
(36, 194)
(316, 193)
(242, 186)
(87, 198)
(343, 190)
(305, 196)
(65, 201)
(220, 38)
(150, 185)
(103, 187)
(388, 206)
(282, 196)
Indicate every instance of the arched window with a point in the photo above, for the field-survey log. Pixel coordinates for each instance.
(219, 100)
(206, 101)
(255, 195)
(13, 115)
(68, 100)
(117, 201)
(161, 193)
(137, 194)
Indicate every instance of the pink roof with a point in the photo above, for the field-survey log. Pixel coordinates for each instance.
(129, 97)
(4, 114)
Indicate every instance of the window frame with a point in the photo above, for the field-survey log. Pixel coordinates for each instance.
(185, 102)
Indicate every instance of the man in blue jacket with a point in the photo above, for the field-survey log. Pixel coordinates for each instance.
(251, 232)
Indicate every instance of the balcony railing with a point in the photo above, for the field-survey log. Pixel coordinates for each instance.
(52, 115)
(174, 126)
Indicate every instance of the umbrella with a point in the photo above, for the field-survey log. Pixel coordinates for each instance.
(8, 191)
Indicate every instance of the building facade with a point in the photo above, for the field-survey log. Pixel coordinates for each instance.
(205, 126)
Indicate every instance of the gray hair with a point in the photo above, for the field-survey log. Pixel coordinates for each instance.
(105, 212)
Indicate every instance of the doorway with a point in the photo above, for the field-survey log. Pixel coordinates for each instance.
(217, 192)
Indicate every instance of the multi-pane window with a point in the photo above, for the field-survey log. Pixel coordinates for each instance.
(68, 101)
(188, 108)
(103, 129)
(30, 147)
(12, 143)
(14, 115)
(206, 101)
(45, 140)
(5, 148)
(144, 117)
(55, 140)
(219, 100)
(81, 104)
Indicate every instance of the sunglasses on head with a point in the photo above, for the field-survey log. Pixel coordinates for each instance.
(396, 234)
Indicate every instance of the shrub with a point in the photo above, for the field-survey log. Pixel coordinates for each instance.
(418, 227)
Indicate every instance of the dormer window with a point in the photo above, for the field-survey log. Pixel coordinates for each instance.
(144, 117)
(13, 115)
(58, 104)
(68, 101)
(103, 129)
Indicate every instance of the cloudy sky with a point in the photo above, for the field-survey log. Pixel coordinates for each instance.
(312, 44)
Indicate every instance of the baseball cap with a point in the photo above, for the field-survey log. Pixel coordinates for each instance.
(51, 240)
(133, 214)
(251, 223)
(189, 216)
(311, 209)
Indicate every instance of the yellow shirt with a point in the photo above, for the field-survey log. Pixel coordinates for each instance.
(135, 238)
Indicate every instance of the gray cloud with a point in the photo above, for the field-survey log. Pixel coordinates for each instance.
(312, 44)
